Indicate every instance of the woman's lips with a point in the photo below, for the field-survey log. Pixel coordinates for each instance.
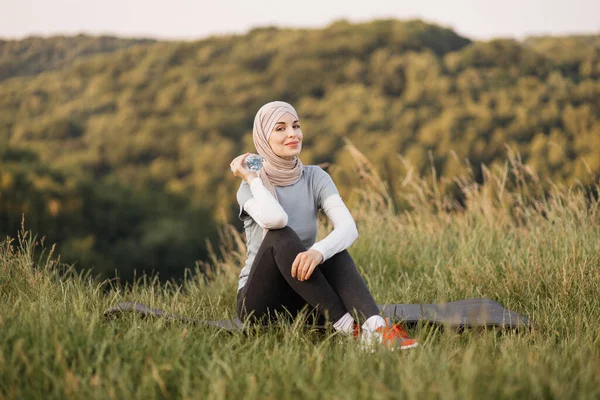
(292, 144)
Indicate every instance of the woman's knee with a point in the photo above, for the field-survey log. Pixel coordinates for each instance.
(283, 236)
(285, 231)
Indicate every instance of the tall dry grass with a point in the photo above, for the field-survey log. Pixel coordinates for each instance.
(535, 252)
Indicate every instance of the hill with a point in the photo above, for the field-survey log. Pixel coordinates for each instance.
(164, 120)
(34, 55)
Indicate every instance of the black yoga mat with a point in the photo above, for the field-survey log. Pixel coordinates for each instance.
(456, 314)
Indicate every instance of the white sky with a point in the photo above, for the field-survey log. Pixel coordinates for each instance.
(188, 19)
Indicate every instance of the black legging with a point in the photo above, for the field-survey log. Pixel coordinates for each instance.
(334, 288)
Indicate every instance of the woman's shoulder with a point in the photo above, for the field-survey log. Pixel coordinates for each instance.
(317, 175)
(313, 170)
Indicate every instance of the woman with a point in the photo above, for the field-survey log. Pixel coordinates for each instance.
(285, 269)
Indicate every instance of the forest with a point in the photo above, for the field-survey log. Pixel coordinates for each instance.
(118, 150)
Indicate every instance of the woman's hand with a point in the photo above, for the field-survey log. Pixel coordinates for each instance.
(305, 263)
(238, 169)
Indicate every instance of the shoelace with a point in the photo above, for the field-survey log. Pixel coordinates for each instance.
(393, 330)
(390, 329)
(388, 335)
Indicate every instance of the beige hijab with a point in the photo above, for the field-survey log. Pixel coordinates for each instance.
(276, 171)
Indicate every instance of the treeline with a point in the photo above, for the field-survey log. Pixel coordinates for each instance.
(107, 225)
(34, 55)
(165, 119)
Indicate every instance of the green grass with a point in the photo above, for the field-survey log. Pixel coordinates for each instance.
(540, 258)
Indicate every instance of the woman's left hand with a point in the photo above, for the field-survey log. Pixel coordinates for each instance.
(305, 263)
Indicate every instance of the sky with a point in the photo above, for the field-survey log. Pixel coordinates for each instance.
(189, 19)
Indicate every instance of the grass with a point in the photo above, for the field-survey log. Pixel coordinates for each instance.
(537, 255)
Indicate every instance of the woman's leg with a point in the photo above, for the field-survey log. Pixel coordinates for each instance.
(343, 276)
(270, 286)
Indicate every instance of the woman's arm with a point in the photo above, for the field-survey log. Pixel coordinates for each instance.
(255, 199)
(264, 208)
(344, 231)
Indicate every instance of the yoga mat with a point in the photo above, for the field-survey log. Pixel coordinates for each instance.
(479, 312)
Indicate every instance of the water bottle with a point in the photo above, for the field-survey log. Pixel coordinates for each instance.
(253, 162)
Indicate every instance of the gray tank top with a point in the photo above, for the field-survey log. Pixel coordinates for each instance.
(301, 201)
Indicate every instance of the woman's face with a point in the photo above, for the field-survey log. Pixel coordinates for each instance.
(286, 138)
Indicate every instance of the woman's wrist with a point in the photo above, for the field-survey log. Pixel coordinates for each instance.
(250, 177)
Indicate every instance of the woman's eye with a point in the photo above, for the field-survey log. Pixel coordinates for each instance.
(297, 127)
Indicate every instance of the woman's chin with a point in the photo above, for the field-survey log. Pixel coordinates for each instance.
(288, 155)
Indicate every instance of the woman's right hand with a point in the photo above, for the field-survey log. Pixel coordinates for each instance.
(238, 169)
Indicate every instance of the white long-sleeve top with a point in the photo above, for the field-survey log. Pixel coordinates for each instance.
(268, 214)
